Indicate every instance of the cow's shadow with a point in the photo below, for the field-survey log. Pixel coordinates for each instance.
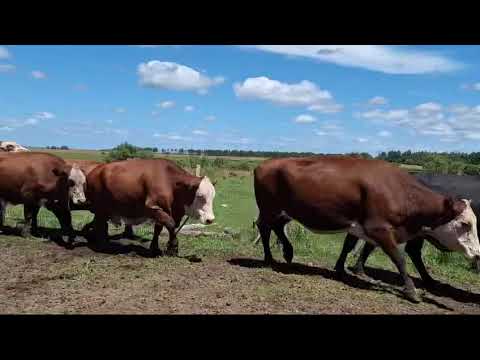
(385, 276)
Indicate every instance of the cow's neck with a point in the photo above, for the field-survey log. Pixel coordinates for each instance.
(430, 207)
(185, 191)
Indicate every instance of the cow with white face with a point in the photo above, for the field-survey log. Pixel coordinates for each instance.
(460, 234)
(158, 190)
(37, 179)
(11, 146)
(77, 185)
(202, 206)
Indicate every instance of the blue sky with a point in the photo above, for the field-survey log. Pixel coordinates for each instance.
(321, 98)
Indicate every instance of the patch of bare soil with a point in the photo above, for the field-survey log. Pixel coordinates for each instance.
(42, 277)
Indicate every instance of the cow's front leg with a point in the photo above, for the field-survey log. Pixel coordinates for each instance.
(384, 235)
(414, 250)
(65, 219)
(162, 218)
(30, 212)
(128, 232)
(359, 267)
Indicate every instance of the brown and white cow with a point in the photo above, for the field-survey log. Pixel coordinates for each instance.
(11, 146)
(369, 199)
(87, 166)
(38, 179)
(138, 190)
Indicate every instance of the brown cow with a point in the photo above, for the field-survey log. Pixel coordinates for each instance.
(87, 166)
(37, 179)
(369, 199)
(134, 191)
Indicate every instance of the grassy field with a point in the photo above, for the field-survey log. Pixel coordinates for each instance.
(41, 276)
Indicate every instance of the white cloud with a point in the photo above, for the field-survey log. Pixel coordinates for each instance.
(384, 133)
(166, 104)
(304, 93)
(172, 76)
(121, 132)
(155, 113)
(4, 53)
(31, 121)
(120, 110)
(172, 137)
(378, 100)
(429, 107)
(448, 124)
(386, 59)
(109, 121)
(189, 108)
(474, 86)
(6, 68)
(45, 115)
(36, 74)
(362, 140)
(304, 119)
(210, 118)
(330, 129)
(6, 128)
(199, 132)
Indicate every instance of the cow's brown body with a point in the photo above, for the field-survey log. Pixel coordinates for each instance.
(330, 193)
(35, 179)
(87, 166)
(139, 189)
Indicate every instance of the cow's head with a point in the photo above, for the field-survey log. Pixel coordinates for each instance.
(202, 206)
(460, 234)
(76, 185)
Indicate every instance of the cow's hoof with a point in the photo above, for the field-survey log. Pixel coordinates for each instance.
(358, 270)
(288, 255)
(156, 252)
(431, 284)
(268, 261)
(411, 294)
(25, 233)
(172, 251)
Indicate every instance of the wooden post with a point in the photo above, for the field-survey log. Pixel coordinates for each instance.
(197, 170)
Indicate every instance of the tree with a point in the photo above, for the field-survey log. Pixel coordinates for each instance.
(64, 147)
(126, 151)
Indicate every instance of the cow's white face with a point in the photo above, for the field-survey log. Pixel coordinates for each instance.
(77, 182)
(460, 234)
(202, 206)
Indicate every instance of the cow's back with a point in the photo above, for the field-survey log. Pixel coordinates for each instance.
(333, 191)
(28, 171)
(123, 186)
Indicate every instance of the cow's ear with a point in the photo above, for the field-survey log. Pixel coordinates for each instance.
(458, 207)
(59, 172)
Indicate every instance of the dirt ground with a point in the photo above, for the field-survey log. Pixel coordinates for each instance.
(38, 276)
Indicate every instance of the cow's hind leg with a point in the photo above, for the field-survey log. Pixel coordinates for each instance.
(128, 232)
(359, 267)
(279, 229)
(265, 230)
(348, 245)
(3, 212)
(414, 250)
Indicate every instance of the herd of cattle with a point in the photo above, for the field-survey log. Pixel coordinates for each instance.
(370, 200)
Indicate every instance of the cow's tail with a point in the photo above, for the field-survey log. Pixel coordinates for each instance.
(254, 226)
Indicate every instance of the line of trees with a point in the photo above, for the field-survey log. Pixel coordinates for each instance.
(451, 162)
